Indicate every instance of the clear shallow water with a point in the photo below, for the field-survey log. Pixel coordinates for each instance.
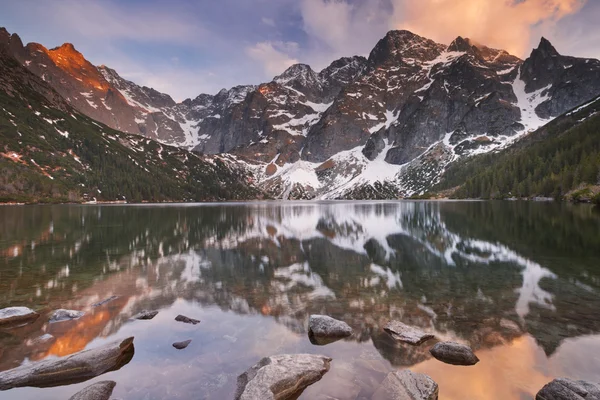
(519, 282)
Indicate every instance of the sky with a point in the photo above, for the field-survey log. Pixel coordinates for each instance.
(188, 47)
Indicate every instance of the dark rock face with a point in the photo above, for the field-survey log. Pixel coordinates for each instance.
(323, 329)
(186, 320)
(407, 385)
(568, 81)
(145, 314)
(454, 353)
(281, 377)
(182, 345)
(567, 389)
(407, 334)
(98, 391)
(78, 367)
(64, 315)
(17, 315)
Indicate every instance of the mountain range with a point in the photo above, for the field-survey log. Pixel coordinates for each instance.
(386, 126)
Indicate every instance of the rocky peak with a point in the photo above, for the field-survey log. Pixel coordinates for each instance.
(299, 73)
(343, 70)
(397, 45)
(545, 49)
(463, 45)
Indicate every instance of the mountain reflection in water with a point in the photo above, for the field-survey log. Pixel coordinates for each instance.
(516, 281)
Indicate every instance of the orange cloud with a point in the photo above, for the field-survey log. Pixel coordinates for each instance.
(504, 24)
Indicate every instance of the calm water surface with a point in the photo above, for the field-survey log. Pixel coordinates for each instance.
(519, 282)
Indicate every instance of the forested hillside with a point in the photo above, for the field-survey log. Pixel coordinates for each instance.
(51, 153)
(559, 160)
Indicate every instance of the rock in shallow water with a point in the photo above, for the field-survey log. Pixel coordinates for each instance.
(145, 314)
(17, 315)
(98, 391)
(323, 329)
(182, 345)
(78, 367)
(281, 377)
(567, 389)
(407, 334)
(187, 320)
(64, 315)
(407, 385)
(103, 302)
(454, 353)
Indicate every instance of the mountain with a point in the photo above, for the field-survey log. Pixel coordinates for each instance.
(561, 159)
(386, 126)
(50, 152)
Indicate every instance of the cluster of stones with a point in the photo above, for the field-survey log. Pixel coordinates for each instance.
(282, 376)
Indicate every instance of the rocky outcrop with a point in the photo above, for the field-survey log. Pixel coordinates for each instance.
(98, 391)
(454, 353)
(64, 315)
(78, 367)
(187, 320)
(407, 334)
(407, 385)
(323, 329)
(17, 315)
(145, 314)
(568, 389)
(281, 377)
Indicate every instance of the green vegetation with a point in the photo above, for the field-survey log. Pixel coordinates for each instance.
(50, 153)
(560, 160)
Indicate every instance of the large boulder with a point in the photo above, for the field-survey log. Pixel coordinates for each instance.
(454, 353)
(78, 367)
(281, 377)
(187, 320)
(17, 315)
(567, 389)
(182, 345)
(98, 391)
(407, 334)
(407, 385)
(323, 329)
(65, 315)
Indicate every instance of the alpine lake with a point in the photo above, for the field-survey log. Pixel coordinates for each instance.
(519, 282)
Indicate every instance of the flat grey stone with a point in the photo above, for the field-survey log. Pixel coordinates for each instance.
(323, 329)
(17, 315)
(182, 345)
(187, 320)
(78, 367)
(145, 314)
(406, 385)
(454, 353)
(98, 391)
(65, 315)
(407, 334)
(103, 302)
(568, 389)
(281, 377)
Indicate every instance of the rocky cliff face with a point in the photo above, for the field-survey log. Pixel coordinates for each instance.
(381, 127)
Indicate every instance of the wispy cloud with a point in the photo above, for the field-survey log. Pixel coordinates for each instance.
(275, 57)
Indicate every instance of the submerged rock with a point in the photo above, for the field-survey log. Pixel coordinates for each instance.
(64, 315)
(187, 320)
(407, 385)
(182, 345)
(78, 367)
(145, 314)
(323, 329)
(407, 334)
(17, 315)
(568, 389)
(44, 339)
(101, 303)
(281, 377)
(454, 353)
(98, 391)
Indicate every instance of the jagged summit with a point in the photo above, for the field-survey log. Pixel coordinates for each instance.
(462, 44)
(399, 44)
(545, 49)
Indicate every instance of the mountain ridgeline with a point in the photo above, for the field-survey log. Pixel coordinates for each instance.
(394, 124)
